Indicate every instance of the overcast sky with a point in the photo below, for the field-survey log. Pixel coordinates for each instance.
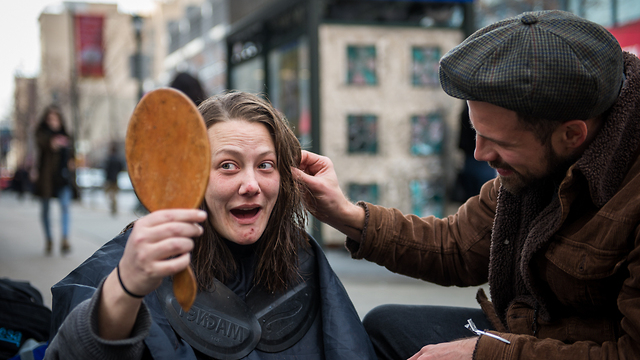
(20, 39)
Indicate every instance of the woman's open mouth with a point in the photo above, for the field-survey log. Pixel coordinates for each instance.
(244, 214)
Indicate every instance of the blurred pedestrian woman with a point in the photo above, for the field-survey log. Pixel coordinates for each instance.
(56, 173)
(265, 289)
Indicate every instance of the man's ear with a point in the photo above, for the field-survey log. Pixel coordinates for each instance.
(570, 136)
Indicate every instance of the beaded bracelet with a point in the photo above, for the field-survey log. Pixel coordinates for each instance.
(124, 288)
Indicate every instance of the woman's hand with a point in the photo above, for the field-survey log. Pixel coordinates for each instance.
(158, 246)
(59, 141)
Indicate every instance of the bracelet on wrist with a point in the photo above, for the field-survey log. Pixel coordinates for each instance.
(124, 288)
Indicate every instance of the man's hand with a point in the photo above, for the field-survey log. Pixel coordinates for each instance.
(318, 174)
(455, 350)
(325, 200)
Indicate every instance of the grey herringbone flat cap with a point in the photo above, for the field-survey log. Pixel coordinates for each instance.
(548, 64)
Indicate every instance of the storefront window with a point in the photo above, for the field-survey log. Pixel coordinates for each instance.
(363, 133)
(289, 86)
(427, 198)
(427, 134)
(363, 192)
(249, 76)
(424, 69)
(361, 63)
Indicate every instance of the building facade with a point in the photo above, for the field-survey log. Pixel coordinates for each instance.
(358, 82)
(86, 55)
(188, 36)
(25, 116)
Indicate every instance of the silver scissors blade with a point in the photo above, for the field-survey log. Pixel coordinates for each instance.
(472, 327)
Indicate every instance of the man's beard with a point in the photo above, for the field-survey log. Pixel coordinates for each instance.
(556, 169)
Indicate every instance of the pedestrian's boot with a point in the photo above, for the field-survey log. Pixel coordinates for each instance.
(65, 248)
(48, 247)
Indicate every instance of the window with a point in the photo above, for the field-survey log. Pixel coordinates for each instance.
(289, 86)
(363, 192)
(427, 134)
(424, 70)
(361, 63)
(427, 197)
(195, 22)
(363, 134)
(249, 76)
(173, 28)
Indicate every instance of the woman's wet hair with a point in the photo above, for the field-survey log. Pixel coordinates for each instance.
(277, 259)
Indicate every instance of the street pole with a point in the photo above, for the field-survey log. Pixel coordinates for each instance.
(137, 26)
(73, 86)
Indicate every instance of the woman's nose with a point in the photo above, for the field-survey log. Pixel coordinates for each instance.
(249, 184)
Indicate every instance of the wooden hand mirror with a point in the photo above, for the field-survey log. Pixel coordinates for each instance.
(168, 158)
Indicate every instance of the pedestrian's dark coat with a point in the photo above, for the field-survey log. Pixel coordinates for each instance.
(50, 165)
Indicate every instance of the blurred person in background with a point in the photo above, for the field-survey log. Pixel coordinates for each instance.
(112, 167)
(190, 86)
(21, 182)
(56, 173)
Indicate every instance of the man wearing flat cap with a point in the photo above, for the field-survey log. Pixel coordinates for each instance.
(556, 108)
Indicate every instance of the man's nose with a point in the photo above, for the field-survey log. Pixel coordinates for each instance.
(484, 151)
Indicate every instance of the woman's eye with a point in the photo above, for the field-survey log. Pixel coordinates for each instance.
(266, 165)
(228, 166)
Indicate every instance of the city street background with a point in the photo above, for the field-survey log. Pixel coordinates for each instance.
(22, 253)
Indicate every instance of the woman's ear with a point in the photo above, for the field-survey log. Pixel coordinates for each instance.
(570, 136)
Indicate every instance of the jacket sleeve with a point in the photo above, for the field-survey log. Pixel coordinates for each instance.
(78, 337)
(449, 251)
(627, 346)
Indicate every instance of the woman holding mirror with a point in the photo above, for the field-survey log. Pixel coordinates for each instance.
(265, 289)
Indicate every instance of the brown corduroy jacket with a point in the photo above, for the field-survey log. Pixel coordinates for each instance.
(575, 290)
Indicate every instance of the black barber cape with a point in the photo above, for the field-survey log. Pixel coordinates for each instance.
(343, 336)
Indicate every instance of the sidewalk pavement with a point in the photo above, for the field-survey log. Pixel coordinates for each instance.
(22, 254)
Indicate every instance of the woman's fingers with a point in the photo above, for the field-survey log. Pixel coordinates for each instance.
(170, 266)
(164, 231)
(165, 249)
(145, 267)
(159, 246)
(173, 215)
